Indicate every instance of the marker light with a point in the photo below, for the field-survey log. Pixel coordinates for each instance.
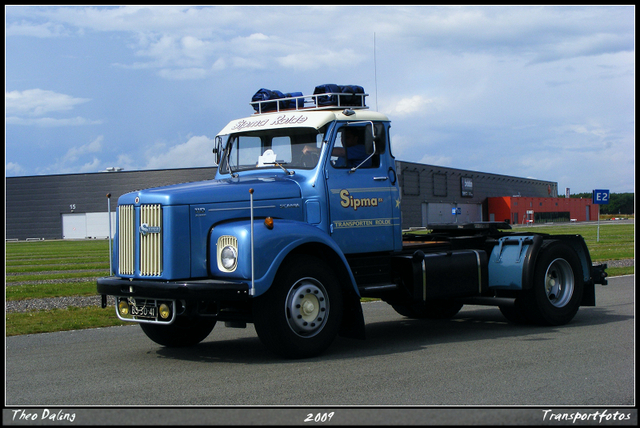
(268, 222)
(123, 308)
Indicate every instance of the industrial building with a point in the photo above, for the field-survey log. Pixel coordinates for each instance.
(75, 206)
(435, 195)
(523, 210)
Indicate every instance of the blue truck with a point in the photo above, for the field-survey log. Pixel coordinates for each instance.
(302, 221)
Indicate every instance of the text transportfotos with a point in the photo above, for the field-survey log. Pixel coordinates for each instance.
(597, 416)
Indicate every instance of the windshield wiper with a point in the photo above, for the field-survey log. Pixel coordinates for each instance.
(281, 165)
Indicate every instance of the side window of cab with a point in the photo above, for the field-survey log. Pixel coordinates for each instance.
(354, 148)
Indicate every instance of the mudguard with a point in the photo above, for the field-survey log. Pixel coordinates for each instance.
(271, 247)
(512, 261)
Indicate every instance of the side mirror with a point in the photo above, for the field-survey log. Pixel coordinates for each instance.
(217, 150)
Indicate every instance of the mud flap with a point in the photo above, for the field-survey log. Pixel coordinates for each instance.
(352, 319)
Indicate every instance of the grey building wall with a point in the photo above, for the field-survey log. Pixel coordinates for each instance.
(421, 183)
(34, 205)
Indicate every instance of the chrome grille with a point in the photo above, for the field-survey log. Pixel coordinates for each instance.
(149, 230)
(151, 242)
(126, 237)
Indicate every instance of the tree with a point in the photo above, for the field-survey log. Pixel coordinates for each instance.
(619, 203)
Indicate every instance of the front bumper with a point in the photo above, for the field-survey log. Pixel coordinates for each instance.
(203, 289)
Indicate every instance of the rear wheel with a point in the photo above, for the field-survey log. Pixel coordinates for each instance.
(182, 332)
(299, 316)
(557, 288)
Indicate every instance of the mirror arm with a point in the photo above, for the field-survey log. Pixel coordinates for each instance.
(364, 161)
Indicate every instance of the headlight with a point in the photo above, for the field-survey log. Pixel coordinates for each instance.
(229, 257)
(227, 253)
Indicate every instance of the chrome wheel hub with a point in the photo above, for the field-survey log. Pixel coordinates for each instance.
(559, 283)
(307, 307)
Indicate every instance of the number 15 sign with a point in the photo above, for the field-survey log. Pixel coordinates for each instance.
(601, 196)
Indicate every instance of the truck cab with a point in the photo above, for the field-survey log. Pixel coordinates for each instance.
(301, 221)
(340, 161)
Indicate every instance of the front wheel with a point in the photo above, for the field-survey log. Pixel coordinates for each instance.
(299, 316)
(183, 332)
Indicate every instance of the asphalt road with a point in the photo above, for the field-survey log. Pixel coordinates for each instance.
(476, 359)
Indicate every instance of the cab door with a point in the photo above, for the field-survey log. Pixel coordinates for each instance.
(363, 197)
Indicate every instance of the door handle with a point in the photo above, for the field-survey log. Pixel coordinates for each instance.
(380, 178)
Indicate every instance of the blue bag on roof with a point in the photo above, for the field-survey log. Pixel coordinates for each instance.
(352, 99)
(265, 95)
(297, 103)
(327, 100)
(348, 99)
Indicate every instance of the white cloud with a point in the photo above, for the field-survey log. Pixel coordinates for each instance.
(584, 129)
(408, 148)
(124, 161)
(75, 159)
(177, 37)
(36, 102)
(258, 36)
(435, 160)
(48, 29)
(27, 108)
(312, 58)
(189, 154)
(409, 106)
(92, 166)
(13, 168)
(74, 153)
(51, 122)
(247, 63)
(460, 84)
(183, 73)
(219, 65)
(540, 32)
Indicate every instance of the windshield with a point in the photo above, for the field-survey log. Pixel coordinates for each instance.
(292, 148)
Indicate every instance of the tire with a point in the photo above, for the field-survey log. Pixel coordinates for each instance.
(300, 315)
(557, 288)
(433, 309)
(183, 332)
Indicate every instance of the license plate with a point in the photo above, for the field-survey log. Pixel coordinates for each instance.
(144, 311)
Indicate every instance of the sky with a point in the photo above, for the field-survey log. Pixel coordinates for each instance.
(545, 92)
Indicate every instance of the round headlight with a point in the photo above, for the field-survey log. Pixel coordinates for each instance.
(228, 257)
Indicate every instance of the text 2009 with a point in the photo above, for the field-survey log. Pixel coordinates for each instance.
(319, 417)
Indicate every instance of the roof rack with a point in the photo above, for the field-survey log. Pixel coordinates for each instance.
(324, 101)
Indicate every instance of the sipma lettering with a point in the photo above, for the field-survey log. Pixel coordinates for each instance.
(348, 201)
